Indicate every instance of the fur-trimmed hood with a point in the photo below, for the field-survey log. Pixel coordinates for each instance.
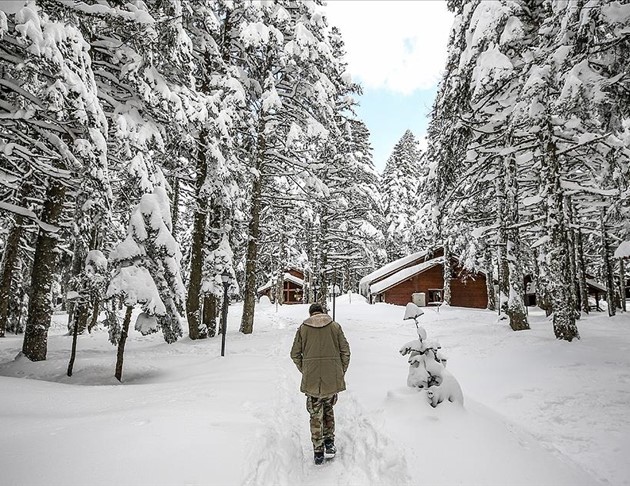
(318, 320)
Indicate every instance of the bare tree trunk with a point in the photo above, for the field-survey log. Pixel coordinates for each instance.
(8, 268)
(175, 204)
(608, 271)
(502, 260)
(121, 343)
(249, 300)
(573, 265)
(492, 303)
(447, 274)
(40, 306)
(561, 285)
(515, 306)
(73, 353)
(581, 271)
(95, 308)
(210, 314)
(196, 329)
(323, 259)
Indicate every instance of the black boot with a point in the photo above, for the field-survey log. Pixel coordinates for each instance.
(329, 447)
(319, 457)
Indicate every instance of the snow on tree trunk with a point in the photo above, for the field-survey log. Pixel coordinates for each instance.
(196, 328)
(503, 276)
(541, 274)
(558, 263)
(492, 303)
(215, 262)
(175, 202)
(147, 265)
(447, 275)
(515, 305)
(581, 270)
(40, 307)
(249, 299)
(8, 268)
(568, 209)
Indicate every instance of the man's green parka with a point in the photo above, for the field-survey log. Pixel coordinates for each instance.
(322, 354)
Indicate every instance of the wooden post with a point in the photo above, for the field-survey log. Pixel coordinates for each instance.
(121, 343)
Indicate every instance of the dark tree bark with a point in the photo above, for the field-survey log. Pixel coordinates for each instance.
(249, 300)
(10, 265)
(196, 329)
(40, 306)
(210, 314)
(492, 303)
(175, 205)
(7, 273)
(74, 309)
(543, 299)
(607, 264)
(73, 353)
(96, 304)
(121, 343)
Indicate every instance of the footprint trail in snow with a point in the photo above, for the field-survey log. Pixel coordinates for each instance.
(282, 453)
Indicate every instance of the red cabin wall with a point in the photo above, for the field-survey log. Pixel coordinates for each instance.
(465, 292)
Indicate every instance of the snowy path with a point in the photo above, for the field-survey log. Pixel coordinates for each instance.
(283, 454)
(186, 416)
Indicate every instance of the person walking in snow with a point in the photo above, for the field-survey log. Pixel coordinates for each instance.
(322, 354)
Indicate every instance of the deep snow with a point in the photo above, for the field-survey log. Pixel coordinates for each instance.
(537, 411)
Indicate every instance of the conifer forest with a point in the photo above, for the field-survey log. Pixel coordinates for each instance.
(148, 148)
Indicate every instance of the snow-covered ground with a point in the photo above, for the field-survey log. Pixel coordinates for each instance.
(536, 411)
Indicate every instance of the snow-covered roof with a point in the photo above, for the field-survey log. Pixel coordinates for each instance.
(403, 275)
(265, 287)
(623, 250)
(294, 279)
(596, 284)
(391, 267)
(287, 277)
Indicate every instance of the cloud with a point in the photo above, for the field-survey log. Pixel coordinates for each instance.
(11, 6)
(395, 45)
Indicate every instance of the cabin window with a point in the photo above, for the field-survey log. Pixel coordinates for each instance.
(435, 296)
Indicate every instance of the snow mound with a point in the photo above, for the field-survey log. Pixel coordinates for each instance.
(264, 301)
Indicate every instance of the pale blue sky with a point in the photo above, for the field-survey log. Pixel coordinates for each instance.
(397, 50)
(388, 115)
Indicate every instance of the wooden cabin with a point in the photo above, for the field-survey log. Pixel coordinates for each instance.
(596, 291)
(292, 287)
(396, 266)
(422, 280)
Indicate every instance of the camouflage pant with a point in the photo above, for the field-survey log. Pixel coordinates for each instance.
(322, 420)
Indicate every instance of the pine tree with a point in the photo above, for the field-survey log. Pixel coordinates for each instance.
(290, 98)
(147, 272)
(399, 187)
